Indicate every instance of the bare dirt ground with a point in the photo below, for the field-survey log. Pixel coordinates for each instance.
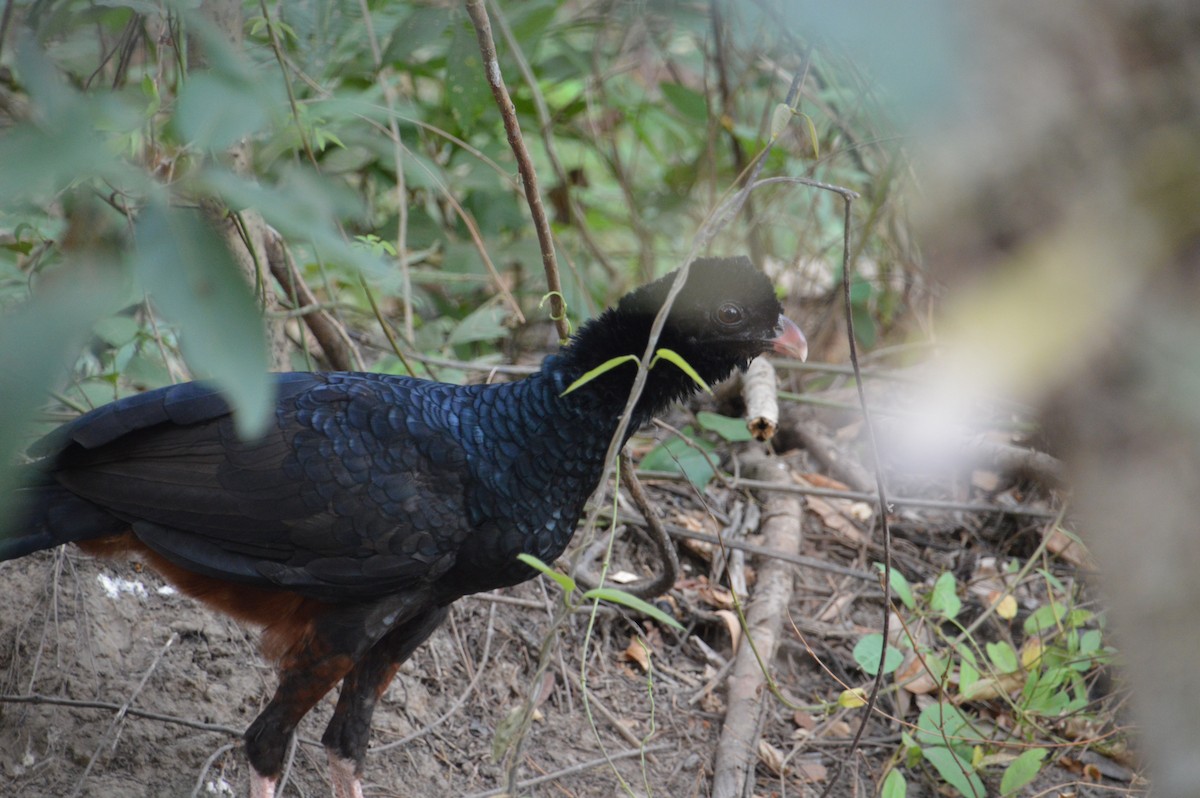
(116, 687)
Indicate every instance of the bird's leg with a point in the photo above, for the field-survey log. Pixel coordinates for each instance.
(346, 737)
(303, 680)
(262, 786)
(343, 777)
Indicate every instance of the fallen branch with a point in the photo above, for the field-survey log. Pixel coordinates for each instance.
(759, 387)
(339, 350)
(736, 752)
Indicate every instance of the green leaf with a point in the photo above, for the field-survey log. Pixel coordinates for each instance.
(731, 429)
(66, 144)
(781, 115)
(617, 596)
(894, 785)
(418, 30)
(942, 724)
(603, 368)
(214, 113)
(41, 336)
(944, 598)
(192, 279)
(676, 455)
(900, 586)
(1045, 618)
(564, 581)
(300, 207)
(1003, 657)
(1089, 642)
(812, 135)
(968, 675)
(116, 330)
(485, 323)
(867, 651)
(1022, 771)
(674, 357)
(691, 104)
(467, 93)
(955, 770)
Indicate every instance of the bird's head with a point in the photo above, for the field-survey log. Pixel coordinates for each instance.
(725, 315)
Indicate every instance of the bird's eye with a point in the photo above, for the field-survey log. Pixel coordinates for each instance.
(729, 313)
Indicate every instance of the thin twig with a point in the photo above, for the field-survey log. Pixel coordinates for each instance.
(573, 769)
(848, 198)
(545, 126)
(108, 706)
(114, 726)
(862, 496)
(389, 98)
(491, 68)
(207, 766)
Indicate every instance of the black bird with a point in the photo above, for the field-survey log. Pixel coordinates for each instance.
(374, 501)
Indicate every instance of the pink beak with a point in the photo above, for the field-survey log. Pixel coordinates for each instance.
(790, 341)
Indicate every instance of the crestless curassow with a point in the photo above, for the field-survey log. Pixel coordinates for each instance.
(373, 501)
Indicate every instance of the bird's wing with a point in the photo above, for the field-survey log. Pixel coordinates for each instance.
(356, 491)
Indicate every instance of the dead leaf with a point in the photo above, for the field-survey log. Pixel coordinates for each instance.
(835, 514)
(1005, 604)
(1063, 545)
(989, 687)
(804, 720)
(771, 756)
(837, 729)
(715, 596)
(985, 480)
(809, 771)
(638, 653)
(913, 676)
(700, 548)
(734, 627)
(712, 703)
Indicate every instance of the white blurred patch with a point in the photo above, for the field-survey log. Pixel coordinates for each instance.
(117, 587)
(218, 787)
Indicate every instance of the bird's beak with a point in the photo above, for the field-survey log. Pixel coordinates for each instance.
(789, 341)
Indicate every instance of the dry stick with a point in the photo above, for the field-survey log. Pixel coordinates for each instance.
(122, 711)
(108, 706)
(389, 98)
(491, 68)
(847, 198)
(727, 210)
(864, 496)
(545, 124)
(573, 769)
(644, 588)
(335, 342)
(595, 703)
(760, 387)
(764, 621)
(207, 766)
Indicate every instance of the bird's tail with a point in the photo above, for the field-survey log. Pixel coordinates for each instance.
(44, 514)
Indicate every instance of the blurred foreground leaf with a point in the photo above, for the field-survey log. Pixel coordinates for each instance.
(192, 279)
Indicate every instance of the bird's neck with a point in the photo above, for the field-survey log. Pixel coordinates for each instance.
(600, 368)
